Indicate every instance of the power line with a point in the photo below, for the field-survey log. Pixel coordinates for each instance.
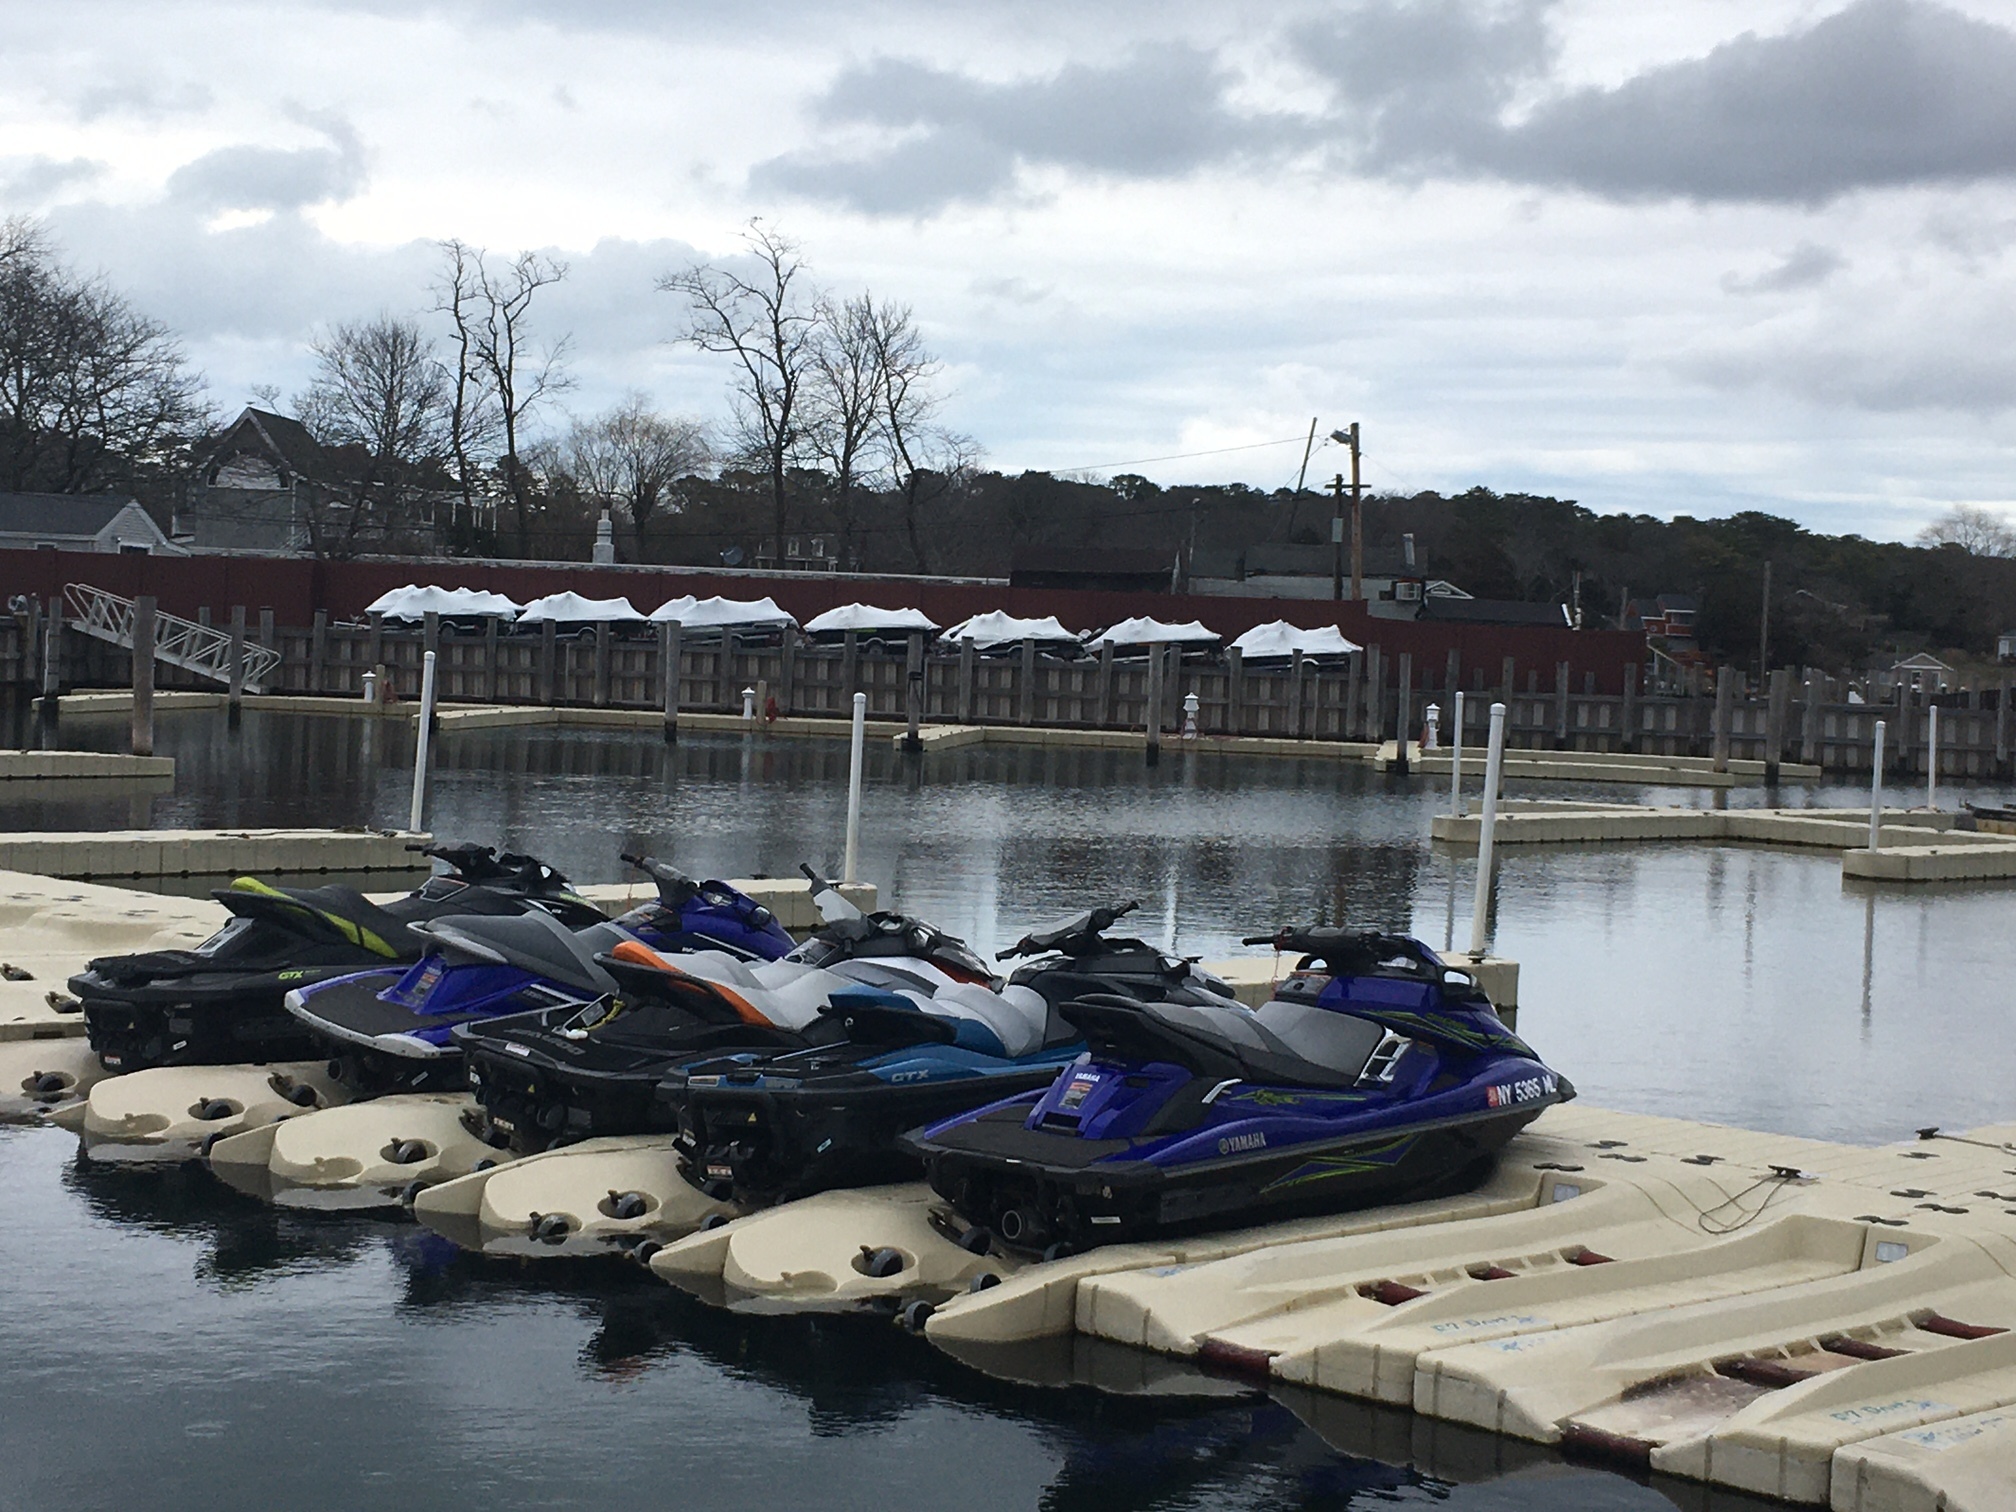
(1217, 451)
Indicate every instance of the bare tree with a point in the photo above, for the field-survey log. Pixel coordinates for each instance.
(629, 459)
(93, 394)
(768, 322)
(470, 413)
(928, 464)
(1975, 530)
(501, 374)
(379, 392)
(843, 404)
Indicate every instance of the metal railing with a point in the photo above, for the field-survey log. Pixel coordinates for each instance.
(177, 641)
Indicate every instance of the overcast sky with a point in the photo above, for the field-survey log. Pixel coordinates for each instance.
(1691, 257)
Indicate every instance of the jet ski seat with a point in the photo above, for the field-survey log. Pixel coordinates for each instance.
(345, 909)
(1231, 1042)
(535, 942)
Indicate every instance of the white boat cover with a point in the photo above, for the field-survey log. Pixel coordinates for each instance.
(867, 619)
(1281, 639)
(721, 613)
(999, 628)
(1145, 631)
(414, 602)
(572, 609)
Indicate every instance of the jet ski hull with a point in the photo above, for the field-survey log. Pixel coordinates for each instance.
(541, 1088)
(772, 1138)
(375, 1047)
(207, 1019)
(1034, 1189)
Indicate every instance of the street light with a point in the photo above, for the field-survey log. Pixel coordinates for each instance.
(1348, 438)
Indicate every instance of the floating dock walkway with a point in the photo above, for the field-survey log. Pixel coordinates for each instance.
(1918, 845)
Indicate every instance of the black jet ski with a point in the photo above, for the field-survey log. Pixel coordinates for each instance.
(220, 1003)
(391, 1030)
(569, 1073)
(768, 1128)
(1376, 1074)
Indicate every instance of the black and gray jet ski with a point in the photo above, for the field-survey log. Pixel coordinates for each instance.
(220, 1003)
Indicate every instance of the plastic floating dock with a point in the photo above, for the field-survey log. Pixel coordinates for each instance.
(1918, 845)
(1764, 1313)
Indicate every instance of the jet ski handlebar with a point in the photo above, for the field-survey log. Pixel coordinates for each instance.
(482, 863)
(1352, 952)
(1079, 931)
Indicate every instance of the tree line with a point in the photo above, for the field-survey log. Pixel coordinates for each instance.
(454, 414)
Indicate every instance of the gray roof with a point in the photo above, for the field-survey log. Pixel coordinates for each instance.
(47, 514)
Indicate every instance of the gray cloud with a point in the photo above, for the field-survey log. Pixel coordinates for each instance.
(1158, 115)
(275, 178)
(1805, 266)
(147, 99)
(1883, 93)
(27, 181)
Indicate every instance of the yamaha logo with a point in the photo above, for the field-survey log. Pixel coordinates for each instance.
(1232, 1144)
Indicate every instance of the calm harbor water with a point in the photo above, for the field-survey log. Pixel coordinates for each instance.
(166, 1341)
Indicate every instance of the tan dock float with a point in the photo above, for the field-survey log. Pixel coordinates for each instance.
(598, 1196)
(355, 1155)
(63, 767)
(1598, 766)
(1955, 1465)
(221, 853)
(1917, 845)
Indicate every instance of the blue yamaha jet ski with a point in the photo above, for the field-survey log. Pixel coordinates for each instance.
(1376, 1074)
(392, 1031)
(220, 1003)
(770, 1128)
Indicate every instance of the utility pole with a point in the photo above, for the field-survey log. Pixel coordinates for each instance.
(1337, 537)
(1357, 520)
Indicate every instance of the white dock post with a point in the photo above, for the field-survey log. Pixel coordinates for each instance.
(1487, 825)
(1876, 791)
(420, 741)
(854, 760)
(1932, 758)
(1456, 756)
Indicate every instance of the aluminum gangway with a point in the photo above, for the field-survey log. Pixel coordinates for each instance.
(177, 641)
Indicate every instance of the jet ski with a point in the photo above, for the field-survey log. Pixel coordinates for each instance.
(766, 1129)
(220, 1003)
(1376, 1074)
(570, 1073)
(391, 1030)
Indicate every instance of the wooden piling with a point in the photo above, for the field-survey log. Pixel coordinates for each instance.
(492, 649)
(1725, 695)
(1354, 698)
(1561, 706)
(318, 652)
(1627, 714)
(1153, 717)
(547, 672)
(1776, 709)
(1403, 717)
(599, 689)
(913, 689)
(143, 675)
(668, 675)
(1025, 686)
(1295, 670)
(1105, 711)
(1235, 691)
(966, 683)
(237, 653)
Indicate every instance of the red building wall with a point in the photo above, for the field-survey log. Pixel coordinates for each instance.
(294, 588)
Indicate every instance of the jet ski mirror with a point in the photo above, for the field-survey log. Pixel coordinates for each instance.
(1078, 932)
(827, 898)
(674, 886)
